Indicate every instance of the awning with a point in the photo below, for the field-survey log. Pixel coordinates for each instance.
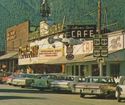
(112, 56)
(10, 55)
(77, 59)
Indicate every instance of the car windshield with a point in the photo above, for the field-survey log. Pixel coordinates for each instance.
(70, 78)
(52, 77)
(25, 76)
(61, 78)
(100, 80)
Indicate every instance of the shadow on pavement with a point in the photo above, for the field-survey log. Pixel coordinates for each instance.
(20, 90)
(19, 97)
(101, 97)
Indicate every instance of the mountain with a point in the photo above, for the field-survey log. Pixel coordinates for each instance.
(14, 12)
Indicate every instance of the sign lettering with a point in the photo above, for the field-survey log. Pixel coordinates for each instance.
(81, 31)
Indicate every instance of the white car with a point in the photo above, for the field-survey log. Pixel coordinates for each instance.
(23, 80)
(120, 89)
(65, 83)
(101, 86)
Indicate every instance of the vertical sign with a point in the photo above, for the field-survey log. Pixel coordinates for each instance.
(100, 46)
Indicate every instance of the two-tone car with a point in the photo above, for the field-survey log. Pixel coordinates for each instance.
(10, 78)
(23, 80)
(43, 82)
(97, 85)
(65, 83)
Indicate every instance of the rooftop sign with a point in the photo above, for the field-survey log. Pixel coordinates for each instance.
(81, 31)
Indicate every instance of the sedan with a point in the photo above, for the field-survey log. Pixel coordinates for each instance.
(23, 80)
(65, 83)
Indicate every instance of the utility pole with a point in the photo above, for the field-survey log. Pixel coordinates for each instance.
(99, 16)
(99, 32)
(105, 20)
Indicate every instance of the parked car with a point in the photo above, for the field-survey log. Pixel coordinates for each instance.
(10, 78)
(43, 82)
(23, 80)
(65, 83)
(4, 76)
(75, 85)
(97, 85)
(120, 89)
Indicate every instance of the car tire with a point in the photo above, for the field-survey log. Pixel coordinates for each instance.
(81, 94)
(22, 86)
(41, 89)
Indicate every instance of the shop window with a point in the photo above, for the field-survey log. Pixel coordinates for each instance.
(104, 70)
(72, 69)
(95, 70)
(81, 70)
(77, 70)
(115, 70)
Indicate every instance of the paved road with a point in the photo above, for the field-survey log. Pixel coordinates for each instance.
(10, 95)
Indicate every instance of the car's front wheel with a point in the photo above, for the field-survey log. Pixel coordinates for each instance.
(81, 94)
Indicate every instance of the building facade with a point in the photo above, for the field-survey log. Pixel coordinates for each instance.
(16, 36)
(45, 56)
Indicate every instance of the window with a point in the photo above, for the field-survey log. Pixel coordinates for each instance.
(95, 70)
(77, 70)
(81, 70)
(115, 69)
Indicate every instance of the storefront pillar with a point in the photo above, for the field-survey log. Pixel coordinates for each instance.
(63, 68)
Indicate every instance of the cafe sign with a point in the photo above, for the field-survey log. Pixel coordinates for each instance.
(81, 31)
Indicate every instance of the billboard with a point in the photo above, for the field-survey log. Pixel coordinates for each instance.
(46, 29)
(115, 42)
(17, 36)
(40, 51)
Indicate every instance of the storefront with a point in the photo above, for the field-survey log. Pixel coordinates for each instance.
(85, 64)
(9, 62)
(47, 55)
(116, 63)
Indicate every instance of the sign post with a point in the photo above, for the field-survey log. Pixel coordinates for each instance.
(100, 49)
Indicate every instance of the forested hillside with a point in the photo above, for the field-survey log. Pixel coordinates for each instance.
(13, 12)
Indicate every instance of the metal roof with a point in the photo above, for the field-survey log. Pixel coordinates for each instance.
(9, 55)
(77, 59)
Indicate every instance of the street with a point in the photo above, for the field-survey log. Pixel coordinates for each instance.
(10, 95)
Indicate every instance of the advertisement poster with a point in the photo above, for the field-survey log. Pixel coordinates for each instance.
(62, 52)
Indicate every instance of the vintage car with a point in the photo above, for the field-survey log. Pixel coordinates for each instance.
(97, 85)
(43, 81)
(4, 76)
(23, 80)
(65, 83)
(75, 85)
(10, 78)
(120, 89)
